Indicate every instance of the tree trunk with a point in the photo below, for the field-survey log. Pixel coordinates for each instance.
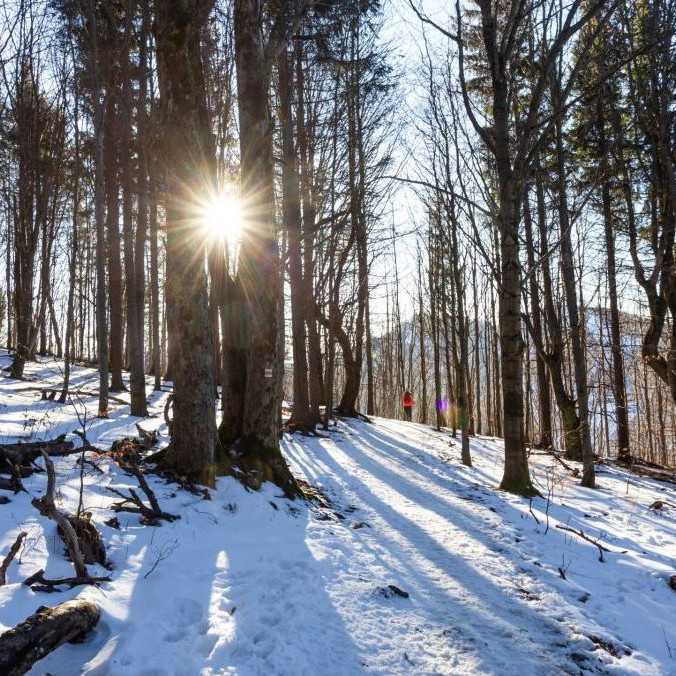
(619, 390)
(422, 416)
(461, 364)
(259, 280)
(111, 140)
(544, 401)
(516, 477)
(186, 131)
(301, 417)
(132, 243)
(568, 274)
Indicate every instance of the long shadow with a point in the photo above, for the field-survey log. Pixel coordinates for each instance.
(465, 519)
(238, 591)
(582, 517)
(619, 571)
(469, 582)
(461, 485)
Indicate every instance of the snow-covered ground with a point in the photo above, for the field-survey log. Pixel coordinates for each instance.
(250, 583)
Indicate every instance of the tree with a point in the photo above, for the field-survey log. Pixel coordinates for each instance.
(186, 157)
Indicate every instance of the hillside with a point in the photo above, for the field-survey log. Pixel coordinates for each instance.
(251, 583)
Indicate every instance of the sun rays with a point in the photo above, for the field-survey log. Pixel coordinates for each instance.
(221, 217)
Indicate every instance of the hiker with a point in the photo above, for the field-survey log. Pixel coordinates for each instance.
(407, 403)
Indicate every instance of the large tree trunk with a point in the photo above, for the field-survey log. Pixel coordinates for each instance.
(422, 406)
(99, 214)
(257, 451)
(461, 364)
(554, 355)
(156, 366)
(26, 223)
(434, 323)
(306, 152)
(186, 134)
(133, 243)
(516, 477)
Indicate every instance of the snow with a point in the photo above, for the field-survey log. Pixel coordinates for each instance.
(251, 583)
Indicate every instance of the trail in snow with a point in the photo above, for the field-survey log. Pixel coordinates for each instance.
(250, 583)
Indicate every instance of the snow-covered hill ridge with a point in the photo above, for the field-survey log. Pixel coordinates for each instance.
(250, 583)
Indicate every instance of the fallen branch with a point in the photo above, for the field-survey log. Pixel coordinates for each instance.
(579, 533)
(38, 581)
(43, 632)
(551, 452)
(13, 550)
(46, 506)
(46, 393)
(132, 503)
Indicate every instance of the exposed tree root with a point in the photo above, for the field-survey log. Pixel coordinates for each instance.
(253, 465)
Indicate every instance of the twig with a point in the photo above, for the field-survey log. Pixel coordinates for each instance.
(579, 533)
(167, 550)
(530, 509)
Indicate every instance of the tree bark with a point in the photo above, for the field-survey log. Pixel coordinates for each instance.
(186, 133)
(43, 632)
(256, 452)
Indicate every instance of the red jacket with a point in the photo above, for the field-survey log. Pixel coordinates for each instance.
(407, 400)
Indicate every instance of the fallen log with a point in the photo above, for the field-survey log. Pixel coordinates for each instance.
(10, 485)
(23, 453)
(647, 469)
(43, 632)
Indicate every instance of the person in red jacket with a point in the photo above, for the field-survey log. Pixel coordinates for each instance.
(408, 403)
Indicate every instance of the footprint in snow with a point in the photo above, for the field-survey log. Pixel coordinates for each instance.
(186, 613)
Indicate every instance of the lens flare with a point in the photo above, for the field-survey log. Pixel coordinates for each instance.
(222, 218)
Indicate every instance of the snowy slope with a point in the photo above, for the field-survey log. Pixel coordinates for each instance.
(250, 583)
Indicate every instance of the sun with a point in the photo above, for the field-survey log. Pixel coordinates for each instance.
(222, 217)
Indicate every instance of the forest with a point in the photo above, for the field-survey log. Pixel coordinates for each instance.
(401, 272)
